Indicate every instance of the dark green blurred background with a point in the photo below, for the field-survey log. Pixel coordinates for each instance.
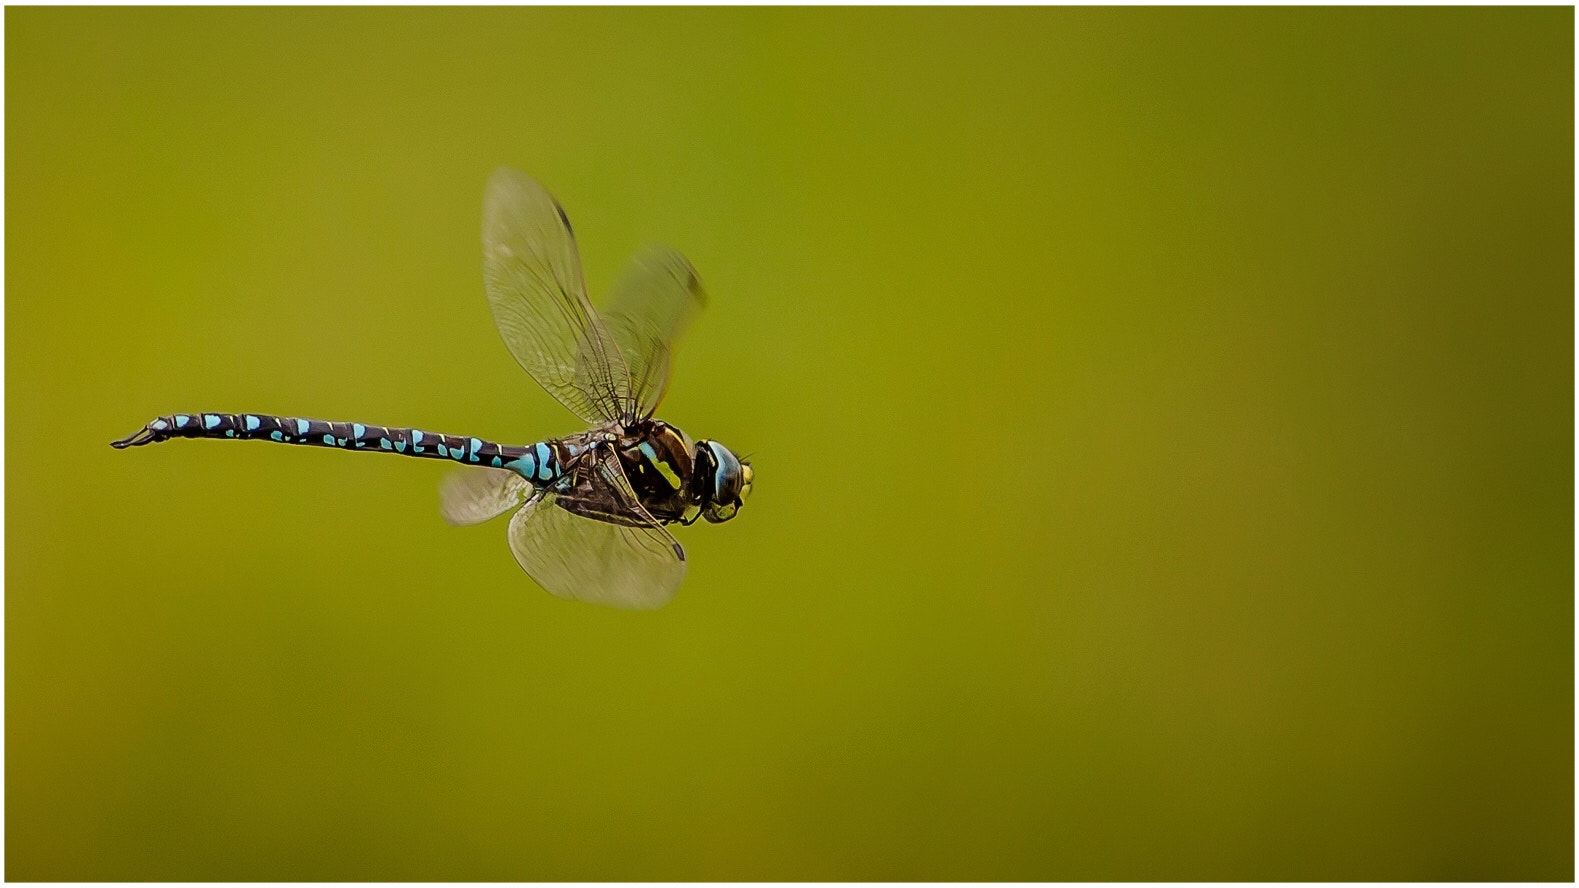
(1163, 423)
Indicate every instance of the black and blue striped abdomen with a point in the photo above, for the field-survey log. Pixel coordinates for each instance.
(539, 463)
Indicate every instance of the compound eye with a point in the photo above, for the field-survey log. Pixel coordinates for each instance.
(727, 474)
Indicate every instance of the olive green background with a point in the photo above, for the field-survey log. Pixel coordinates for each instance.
(1163, 423)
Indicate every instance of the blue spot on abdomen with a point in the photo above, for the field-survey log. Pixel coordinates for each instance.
(526, 466)
(543, 453)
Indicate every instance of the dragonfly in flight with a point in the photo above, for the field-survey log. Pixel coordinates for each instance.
(591, 509)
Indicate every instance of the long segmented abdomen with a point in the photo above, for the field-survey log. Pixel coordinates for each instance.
(537, 462)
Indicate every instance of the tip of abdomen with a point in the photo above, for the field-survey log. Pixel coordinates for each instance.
(142, 436)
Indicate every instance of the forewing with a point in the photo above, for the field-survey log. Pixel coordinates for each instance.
(651, 305)
(474, 495)
(532, 273)
(635, 564)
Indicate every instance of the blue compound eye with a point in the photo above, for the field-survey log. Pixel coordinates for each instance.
(722, 480)
(727, 476)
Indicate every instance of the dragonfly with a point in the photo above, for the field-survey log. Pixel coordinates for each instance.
(591, 509)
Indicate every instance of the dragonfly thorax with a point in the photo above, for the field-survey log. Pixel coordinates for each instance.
(677, 480)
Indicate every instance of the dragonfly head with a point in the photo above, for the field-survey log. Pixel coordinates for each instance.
(722, 479)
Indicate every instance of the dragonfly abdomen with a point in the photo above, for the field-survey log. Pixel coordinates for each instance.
(322, 433)
(541, 463)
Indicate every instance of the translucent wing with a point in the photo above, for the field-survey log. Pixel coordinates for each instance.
(474, 495)
(653, 302)
(594, 542)
(532, 273)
